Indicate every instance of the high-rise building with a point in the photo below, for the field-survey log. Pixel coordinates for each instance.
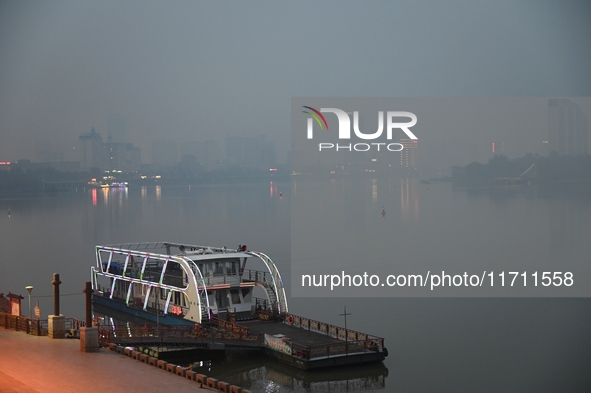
(568, 128)
(107, 156)
(91, 150)
(408, 155)
(122, 157)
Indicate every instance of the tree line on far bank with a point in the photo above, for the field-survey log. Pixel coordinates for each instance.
(552, 169)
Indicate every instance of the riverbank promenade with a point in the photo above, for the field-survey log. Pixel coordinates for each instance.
(39, 364)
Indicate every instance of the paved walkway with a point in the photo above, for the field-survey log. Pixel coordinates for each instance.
(31, 364)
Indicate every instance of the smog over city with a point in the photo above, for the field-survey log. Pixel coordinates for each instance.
(189, 72)
(417, 174)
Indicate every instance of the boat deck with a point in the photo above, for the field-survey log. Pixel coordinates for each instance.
(295, 334)
(307, 349)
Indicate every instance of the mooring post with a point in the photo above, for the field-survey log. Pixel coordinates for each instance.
(56, 322)
(56, 293)
(89, 337)
(88, 291)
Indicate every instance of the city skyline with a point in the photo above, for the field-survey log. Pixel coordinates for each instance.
(259, 151)
(70, 66)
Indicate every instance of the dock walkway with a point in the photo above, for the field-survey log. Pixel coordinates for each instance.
(301, 336)
(39, 364)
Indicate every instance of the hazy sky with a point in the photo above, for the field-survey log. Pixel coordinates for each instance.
(192, 70)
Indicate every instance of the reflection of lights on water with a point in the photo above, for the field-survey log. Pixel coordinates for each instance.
(94, 199)
(271, 387)
(158, 193)
(144, 192)
(105, 195)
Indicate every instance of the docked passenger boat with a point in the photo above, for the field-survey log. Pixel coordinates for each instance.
(183, 284)
(213, 289)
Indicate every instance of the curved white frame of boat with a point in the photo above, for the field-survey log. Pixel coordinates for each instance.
(189, 267)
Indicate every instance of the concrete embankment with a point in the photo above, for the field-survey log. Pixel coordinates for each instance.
(39, 364)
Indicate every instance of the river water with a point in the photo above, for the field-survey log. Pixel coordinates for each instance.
(435, 344)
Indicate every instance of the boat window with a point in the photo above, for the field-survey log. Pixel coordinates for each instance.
(217, 269)
(235, 296)
(204, 268)
(231, 268)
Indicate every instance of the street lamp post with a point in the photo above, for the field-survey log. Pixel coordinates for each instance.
(29, 289)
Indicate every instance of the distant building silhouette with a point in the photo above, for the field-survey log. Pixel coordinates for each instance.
(567, 128)
(122, 157)
(108, 156)
(408, 155)
(164, 153)
(207, 154)
(254, 152)
(91, 150)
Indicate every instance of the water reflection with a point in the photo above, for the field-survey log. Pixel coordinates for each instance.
(490, 340)
(569, 225)
(105, 196)
(409, 199)
(259, 374)
(272, 189)
(252, 370)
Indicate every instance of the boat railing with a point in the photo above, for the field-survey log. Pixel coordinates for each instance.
(151, 306)
(257, 276)
(360, 340)
(329, 350)
(220, 279)
(167, 335)
(240, 331)
(261, 304)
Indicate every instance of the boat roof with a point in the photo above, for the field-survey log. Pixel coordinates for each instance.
(192, 252)
(203, 257)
